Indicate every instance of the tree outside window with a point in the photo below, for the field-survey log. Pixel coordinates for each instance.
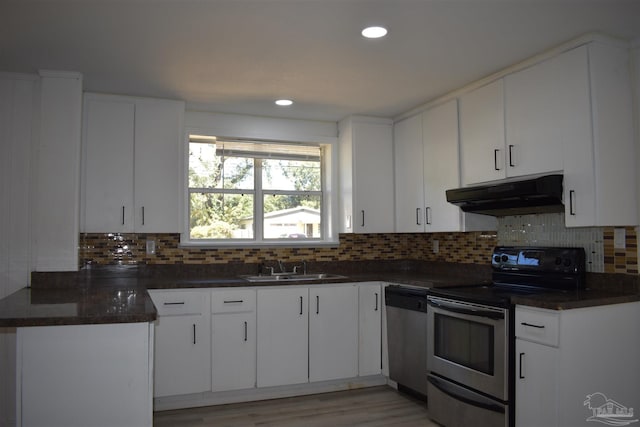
(254, 190)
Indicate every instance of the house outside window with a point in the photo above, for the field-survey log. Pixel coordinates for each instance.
(252, 192)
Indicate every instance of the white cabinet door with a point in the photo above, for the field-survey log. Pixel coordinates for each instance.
(182, 355)
(408, 171)
(283, 331)
(482, 144)
(599, 172)
(158, 165)
(132, 164)
(108, 165)
(536, 384)
(85, 375)
(441, 172)
(370, 329)
(366, 175)
(233, 351)
(333, 332)
(543, 106)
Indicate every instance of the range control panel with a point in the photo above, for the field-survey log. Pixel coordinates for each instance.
(539, 259)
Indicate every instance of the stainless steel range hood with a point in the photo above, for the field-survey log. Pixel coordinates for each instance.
(536, 195)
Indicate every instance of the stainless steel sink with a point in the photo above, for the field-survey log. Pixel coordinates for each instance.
(292, 277)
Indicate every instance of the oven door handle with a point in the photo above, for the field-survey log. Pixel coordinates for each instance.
(462, 395)
(467, 311)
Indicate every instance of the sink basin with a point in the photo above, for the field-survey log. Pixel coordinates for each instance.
(292, 277)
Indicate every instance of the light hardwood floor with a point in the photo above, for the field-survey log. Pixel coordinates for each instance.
(372, 407)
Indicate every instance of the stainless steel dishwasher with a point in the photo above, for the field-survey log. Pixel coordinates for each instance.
(407, 337)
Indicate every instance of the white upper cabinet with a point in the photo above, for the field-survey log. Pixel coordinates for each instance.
(108, 165)
(600, 155)
(482, 143)
(569, 114)
(441, 171)
(132, 155)
(409, 178)
(159, 144)
(516, 125)
(366, 175)
(426, 165)
(543, 106)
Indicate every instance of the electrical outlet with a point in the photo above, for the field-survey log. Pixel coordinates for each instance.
(619, 238)
(435, 246)
(151, 247)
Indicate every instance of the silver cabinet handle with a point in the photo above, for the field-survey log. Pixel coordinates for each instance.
(520, 368)
(143, 215)
(235, 301)
(194, 333)
(174, 303)
(376, 309)
(495, 159)
(572, 197)
(363, 218)
(427, 214)
(301, 300)
(245, 331)
(418, 216)
(317, 304)
(123, 215)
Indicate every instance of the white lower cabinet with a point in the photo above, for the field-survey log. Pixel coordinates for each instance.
(233, 339)
(183, 342)
(81, 375)
(574, 366)
(535, 387)
(211, 342)
(307, 334)
(370, 300)
(333, 332)
(283, 330)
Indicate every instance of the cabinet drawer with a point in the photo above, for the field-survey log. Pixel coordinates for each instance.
(179, 302)
(541, 326)
(233, 300)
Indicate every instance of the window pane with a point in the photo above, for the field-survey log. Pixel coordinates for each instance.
(221, 216)
(210, 170)
(292, 216)
(291, 175)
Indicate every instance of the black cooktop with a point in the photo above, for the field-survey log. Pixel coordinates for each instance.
(524, 271)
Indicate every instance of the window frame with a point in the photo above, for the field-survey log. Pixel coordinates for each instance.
(328, 164)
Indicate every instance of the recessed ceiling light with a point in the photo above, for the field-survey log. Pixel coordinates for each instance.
(374, 32)
(284, 102)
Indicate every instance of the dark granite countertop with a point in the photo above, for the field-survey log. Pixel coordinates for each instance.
(578, 299)
(118, 294)
(75, 306)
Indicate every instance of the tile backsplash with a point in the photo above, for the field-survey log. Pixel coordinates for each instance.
(470, 247)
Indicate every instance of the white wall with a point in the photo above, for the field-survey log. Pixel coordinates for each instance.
(56, 209)
(18, 100)
(240, 126)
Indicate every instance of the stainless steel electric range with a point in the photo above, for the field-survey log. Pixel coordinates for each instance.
(470, 348)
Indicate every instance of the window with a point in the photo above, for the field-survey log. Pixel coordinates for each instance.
(254, 191)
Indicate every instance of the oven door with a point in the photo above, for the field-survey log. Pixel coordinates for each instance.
(468, 344)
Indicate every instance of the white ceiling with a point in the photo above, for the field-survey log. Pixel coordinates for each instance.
(238, 56)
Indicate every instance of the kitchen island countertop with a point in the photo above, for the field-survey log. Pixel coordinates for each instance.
(76, 306)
